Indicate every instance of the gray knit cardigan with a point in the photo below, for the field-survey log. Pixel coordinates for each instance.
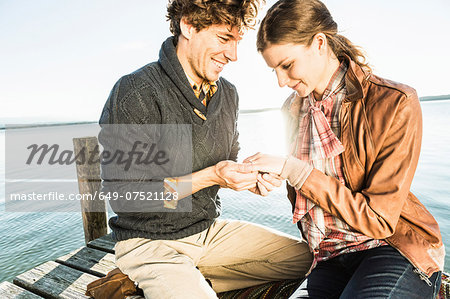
(159, 93)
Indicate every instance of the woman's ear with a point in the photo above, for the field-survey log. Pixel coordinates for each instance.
(186, 28)
(320, 42)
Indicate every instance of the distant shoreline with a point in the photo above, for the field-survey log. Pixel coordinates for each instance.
(435, 98)
(38, 125)
(243, 111)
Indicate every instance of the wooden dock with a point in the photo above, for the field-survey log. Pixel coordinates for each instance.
(69, 275)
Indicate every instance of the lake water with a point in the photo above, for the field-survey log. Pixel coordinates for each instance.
(29, 239)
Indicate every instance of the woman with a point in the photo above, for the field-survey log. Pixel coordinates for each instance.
(355, 142)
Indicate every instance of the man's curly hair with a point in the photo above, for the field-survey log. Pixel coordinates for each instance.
(204, 13)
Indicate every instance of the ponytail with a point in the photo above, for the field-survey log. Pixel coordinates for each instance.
(343, 46)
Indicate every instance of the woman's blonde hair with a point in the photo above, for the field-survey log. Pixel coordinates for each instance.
(298, 21)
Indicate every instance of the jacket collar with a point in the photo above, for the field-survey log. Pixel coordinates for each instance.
(355, 80)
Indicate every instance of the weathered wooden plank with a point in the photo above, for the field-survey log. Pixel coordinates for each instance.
(55, 281)
(88, 172)
(89, 260)
(105, 243)
(11, 291)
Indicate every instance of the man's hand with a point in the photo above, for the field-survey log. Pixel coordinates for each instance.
(236, 176)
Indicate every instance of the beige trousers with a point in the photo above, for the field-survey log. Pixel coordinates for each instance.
(230, 254)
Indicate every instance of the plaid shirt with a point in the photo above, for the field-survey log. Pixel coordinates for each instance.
(204, 91)
(318, 143)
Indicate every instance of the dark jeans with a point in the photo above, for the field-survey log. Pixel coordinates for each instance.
(375, 273)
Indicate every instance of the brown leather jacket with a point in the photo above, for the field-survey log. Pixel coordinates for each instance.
(381, 130)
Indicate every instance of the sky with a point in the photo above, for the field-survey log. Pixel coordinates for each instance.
(60, 58)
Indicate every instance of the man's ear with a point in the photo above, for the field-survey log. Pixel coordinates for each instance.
(186, 29)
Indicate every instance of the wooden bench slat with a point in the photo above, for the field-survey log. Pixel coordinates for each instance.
(53, 280)
(105, 243)
(11, 291)
(89, 260)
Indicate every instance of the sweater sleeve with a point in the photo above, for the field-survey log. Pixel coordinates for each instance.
(131, 102)
(126, 122)
(296, 171)
(235, 147)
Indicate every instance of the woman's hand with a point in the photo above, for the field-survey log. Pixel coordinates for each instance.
(266, 163)
(266, 182)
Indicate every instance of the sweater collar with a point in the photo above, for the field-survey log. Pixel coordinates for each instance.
(171, 65)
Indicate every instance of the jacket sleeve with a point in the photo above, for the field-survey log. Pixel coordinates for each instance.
(374, 210)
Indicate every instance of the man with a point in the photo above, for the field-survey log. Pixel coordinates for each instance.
(194, 254)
